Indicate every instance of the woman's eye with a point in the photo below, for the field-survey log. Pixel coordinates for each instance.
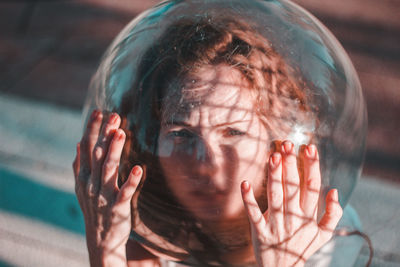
(181, 134)
(233, 132)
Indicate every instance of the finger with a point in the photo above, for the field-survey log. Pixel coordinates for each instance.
(312, 182)
(100, 151)
(75, 164)
(291, 179)
(276, 146)
(256, 218)
(109, 177)
(129, 187)
(275, 192)
(333, 213)
(87, 143)
(121, 210)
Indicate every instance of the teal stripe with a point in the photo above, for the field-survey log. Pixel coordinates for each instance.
(23, 196)
(4, 264)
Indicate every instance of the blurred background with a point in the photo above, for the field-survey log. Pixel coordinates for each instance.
(48, 52)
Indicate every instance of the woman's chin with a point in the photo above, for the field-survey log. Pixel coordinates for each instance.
(217, 215)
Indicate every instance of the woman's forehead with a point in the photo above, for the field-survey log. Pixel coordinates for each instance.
(220, 85)
(212, 75)
(220, 93)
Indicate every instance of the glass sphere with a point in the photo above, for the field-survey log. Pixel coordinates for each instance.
(205, 90)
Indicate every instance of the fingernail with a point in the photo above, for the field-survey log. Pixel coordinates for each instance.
(120, 134)
(335, 195)
(94, 115)
(99, 115)
(311, 150)
(116, 135)
(275, 159)
(113, 118)
(137, 171)
(287, 147)
(245, 186)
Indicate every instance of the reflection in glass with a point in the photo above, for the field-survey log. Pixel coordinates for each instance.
(205, 90)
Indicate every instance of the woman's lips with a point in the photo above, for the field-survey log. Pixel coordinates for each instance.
(208, 196)
(202, 188)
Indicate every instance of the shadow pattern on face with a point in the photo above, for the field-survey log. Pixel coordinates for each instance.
(165, 76)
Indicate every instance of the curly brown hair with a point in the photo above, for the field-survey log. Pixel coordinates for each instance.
(185, 47)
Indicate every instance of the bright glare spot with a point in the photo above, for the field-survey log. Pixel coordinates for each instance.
(299, 135)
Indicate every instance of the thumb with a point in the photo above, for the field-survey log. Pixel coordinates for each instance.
(332, 215)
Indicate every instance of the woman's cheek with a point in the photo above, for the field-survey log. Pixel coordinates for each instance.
(253, 161)
(165, 147)
(252, 151)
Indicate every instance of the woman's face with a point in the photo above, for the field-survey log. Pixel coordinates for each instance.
(211, 139)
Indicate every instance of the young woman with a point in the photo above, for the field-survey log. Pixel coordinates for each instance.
(196, 131)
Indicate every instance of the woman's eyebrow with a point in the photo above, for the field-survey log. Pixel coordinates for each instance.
(230, 123)
(183, 123)
(177, 123)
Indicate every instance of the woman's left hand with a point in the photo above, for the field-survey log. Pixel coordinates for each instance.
(288, 233)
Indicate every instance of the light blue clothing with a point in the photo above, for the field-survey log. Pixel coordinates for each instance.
(340, 251)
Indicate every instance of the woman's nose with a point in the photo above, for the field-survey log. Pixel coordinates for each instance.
(205, 154)
(210, 165)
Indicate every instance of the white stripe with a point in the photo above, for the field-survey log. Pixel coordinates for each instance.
(25, 242)
(39, 140)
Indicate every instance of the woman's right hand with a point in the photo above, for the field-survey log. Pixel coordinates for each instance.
(289, 232)
(105, 206)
